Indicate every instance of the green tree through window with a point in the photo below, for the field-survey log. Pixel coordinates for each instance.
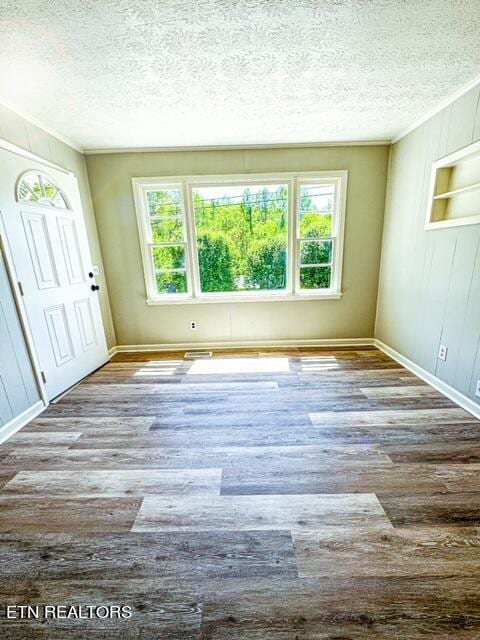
(242, 237)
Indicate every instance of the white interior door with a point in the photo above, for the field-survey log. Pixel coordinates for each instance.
(45, 230)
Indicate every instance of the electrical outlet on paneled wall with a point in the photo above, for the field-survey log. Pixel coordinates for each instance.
(442, 352)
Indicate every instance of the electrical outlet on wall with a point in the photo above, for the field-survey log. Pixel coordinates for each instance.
(477, 389)
(193, 325)
(442, 352)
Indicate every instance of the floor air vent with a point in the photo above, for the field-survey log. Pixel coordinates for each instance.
(197, 355)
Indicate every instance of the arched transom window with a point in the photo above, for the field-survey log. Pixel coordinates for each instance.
(38, 188)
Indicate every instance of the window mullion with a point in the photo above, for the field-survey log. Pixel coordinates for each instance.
(292, 236)
(192, 261)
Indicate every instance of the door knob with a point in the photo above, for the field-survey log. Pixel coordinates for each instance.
(94, 287)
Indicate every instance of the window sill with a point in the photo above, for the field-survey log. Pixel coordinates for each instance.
(225, 299)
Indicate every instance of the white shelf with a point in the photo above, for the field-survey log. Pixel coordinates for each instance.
(456, 192)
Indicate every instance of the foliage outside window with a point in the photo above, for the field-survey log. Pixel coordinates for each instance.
(211, 239)
(241, 237)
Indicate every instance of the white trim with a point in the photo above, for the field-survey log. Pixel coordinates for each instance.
(241, 147)
(386, 205)
(453, 222)
(244, 297)
(284, 344)
(112, 351)
(210, 179)
(24, 153)
(456, 396)
(20, 421)
(41, 125)
(441, 105)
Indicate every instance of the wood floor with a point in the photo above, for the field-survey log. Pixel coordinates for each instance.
(304, 495)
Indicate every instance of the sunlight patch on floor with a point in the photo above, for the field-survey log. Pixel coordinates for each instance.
(152, 373)
(317, 364)
(158, 368)
(239, 365)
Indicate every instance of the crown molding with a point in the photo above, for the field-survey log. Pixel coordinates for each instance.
(38, 123)
(442, 105)
(241, 147)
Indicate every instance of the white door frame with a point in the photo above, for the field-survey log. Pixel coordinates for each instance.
(22, 314)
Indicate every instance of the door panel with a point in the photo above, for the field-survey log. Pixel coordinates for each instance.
(60, 336)
(40, 250)
(71, 250)
(86, 326)
(52, 260)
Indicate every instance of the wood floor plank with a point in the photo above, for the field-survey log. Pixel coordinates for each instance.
(460, 509)
(400, 434)
(312, 456)
(127, 556)
(354, 609)
(173, 482)
(43, 514)
(259, 512)
(43, 439)
(159, 611)
(458, 452)
(415, 391)
(82, 424)
(255, 479)
(263, 435)
(162, 388)
(417, 551)
(398, 417)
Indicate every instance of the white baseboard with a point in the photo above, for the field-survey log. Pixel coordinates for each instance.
(20, 421)
(466, 403)
(285, 344)
(112, 352)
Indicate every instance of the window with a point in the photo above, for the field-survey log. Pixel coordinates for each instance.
(167, 240)
(316, 235)
(241, 237)
(37, 188)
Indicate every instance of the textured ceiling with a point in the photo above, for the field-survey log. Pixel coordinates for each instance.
(141, 73)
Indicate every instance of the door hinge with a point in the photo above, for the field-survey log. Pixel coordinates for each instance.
(44, 377)
(20, 286)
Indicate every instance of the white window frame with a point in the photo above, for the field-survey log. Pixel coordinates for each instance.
(187, 184)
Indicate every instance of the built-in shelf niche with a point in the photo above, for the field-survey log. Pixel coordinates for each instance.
(455, 189)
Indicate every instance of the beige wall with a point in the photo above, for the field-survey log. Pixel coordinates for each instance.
(429, 290)
(136, 323)
(24, 134)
